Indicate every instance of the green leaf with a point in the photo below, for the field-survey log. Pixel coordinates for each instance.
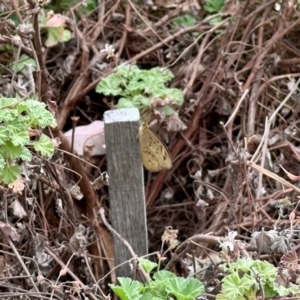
(215, 21)
(6, 101)
(110, 86)
(26, 155)
(24, 60)
(55, 35)
(150, 79)
(243, 264)
(88, 6)
(45, 118)
(158, 285)
(175, 95)
(184, 21)
(9, 174)
(128, 72)
(44, 145)
(233, 286)
(2, 163)
(224, 297)
(147, 264)
(145, 101)
(157, 288)
(3, 134)
(214, 6)
(134, 87)
(267, 272)
(269, 290)
(137, 87)
(149, 296)
(294, 290)
(157, 91)
(169, 111)
(37, 112)
(184, 288)
(163, 275)
(249, 285)
(141, 100)
(67, 35)
(125, 103)
(7, 114)
(10, 151)
(128, 289)
(163, 74)
(15, 121)
(17, 134)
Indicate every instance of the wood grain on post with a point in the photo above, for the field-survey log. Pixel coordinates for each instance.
(126, 184)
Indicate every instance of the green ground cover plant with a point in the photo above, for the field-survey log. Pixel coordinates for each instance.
(17, 120)
(141, 88)
(246, 278)
(163, 285)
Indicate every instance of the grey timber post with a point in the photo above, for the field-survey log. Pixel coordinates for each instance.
(126, 184)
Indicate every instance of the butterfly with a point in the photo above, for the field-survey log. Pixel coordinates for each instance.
(154, 153)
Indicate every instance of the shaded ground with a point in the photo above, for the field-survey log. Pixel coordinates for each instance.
(238, 69)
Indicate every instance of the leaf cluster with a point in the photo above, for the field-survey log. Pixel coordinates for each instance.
(214, 6)
(17, 120)
(163, 285)
(138, 88)
(246, 278)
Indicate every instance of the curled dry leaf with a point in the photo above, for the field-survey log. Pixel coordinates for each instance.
(75, 192)
(175, 124)
(100, 181)
(170, 237)
(78, 240)
(18, 185)
(8, 230)
(88, 136)
(18, 209)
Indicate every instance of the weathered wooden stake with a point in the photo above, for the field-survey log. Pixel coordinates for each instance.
(126, 184)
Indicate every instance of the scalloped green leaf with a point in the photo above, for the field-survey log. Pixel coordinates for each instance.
(125, 103)
(128, 71)
(164, 74)
(163, 275)
(110, 86)
(17, 135)
(3, 134)
(44, 145)
(234, 286)
(147, 264)
(186, 20)
(23, 61)
(26, 155)
(2, 163)
(134, 87)
(175, 95)
(37, 112)
(141, 100)
(9, 174)
(9, 151)
(7, 114)
(184, 288)
(6, 102)
(149, 296)
(128, 289)
(266, 271)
